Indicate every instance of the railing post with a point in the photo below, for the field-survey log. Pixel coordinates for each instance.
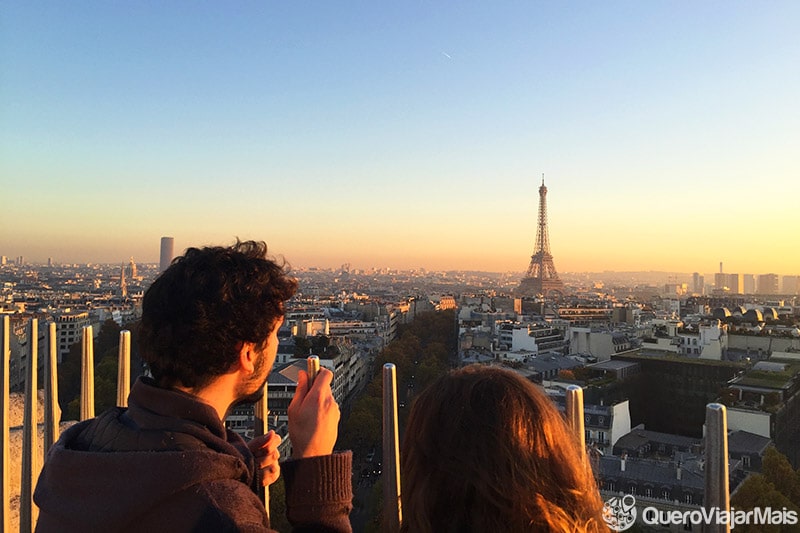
(393, 511)
(87, 374)
(574, 412)
(124, 368)
(262, 428)
(5, 496)
(31, 463)
(312, 369)
(717, 490)
(52, 412)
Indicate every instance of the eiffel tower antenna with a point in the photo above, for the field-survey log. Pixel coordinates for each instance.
(541, 279)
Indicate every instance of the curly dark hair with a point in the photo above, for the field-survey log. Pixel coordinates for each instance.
(197, 314)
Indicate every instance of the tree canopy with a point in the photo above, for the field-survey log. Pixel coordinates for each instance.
(777, 486)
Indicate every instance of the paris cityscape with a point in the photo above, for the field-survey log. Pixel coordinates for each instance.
(650, 350)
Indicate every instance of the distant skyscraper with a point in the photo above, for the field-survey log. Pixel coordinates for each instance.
(734, 283)
(167, 251)
(768, 284)
(541, 277)
(749, 283)
(698, 283)
(791, 285)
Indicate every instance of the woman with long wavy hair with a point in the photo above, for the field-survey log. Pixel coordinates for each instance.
(486, 451)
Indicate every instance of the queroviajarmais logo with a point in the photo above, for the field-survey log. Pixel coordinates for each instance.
(620, 512)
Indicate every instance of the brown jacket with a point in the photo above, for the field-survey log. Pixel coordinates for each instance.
(167, 463)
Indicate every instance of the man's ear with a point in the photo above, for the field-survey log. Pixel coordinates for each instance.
(247, 357)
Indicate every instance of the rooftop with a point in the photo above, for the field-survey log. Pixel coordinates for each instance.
(745, 442)
(639, 437)
(655, 473)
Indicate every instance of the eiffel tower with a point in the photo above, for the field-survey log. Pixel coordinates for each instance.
(541, 278)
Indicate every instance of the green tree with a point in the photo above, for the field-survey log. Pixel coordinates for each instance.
(362, 429)
(779, 472)
(428, 370)
(107, 338)
(106, 355)
(777, 486)
(757, 491)
(69, 382)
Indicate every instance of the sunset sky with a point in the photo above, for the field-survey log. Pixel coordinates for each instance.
(404, 135)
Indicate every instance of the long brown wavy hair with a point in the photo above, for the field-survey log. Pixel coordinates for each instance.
(485, 450)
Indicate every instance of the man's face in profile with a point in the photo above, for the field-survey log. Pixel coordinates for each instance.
(252, 390)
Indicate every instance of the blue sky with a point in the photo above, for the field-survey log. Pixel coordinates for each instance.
(405, 135)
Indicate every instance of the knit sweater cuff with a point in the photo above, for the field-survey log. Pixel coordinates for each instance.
(318, 485)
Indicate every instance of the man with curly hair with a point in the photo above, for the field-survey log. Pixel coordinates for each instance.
(167, 463)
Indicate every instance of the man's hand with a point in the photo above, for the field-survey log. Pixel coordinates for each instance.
(313, 416)
(265, 450)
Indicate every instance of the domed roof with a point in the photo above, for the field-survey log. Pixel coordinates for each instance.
(753, 316)
(721, 313)
(770, 314)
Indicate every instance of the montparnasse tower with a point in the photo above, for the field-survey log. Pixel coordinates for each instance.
(541, 279)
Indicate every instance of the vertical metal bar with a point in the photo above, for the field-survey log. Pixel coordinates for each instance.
(87, 375)
(124, 368)
(574, 412)
(393, 512)
(52, 412)
(717, 490)
(5, 496)
(31, 463)
(312, 365)
(262, 428)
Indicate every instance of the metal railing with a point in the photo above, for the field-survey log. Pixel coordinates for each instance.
(392, 502)
(31, 459)
(716, 471)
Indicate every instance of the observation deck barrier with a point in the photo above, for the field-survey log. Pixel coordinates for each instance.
(716, 472)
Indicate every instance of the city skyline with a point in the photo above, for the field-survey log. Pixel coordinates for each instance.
(409, 136)
(706, 279)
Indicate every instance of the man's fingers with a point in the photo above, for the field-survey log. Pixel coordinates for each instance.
(270, 474)
(269, 459)
(265, 444)
(323, 379)
(301, 390)
(273, 440)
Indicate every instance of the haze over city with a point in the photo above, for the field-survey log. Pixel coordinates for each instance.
(404, 136)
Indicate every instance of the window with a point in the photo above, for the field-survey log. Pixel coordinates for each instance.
(746, 461)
